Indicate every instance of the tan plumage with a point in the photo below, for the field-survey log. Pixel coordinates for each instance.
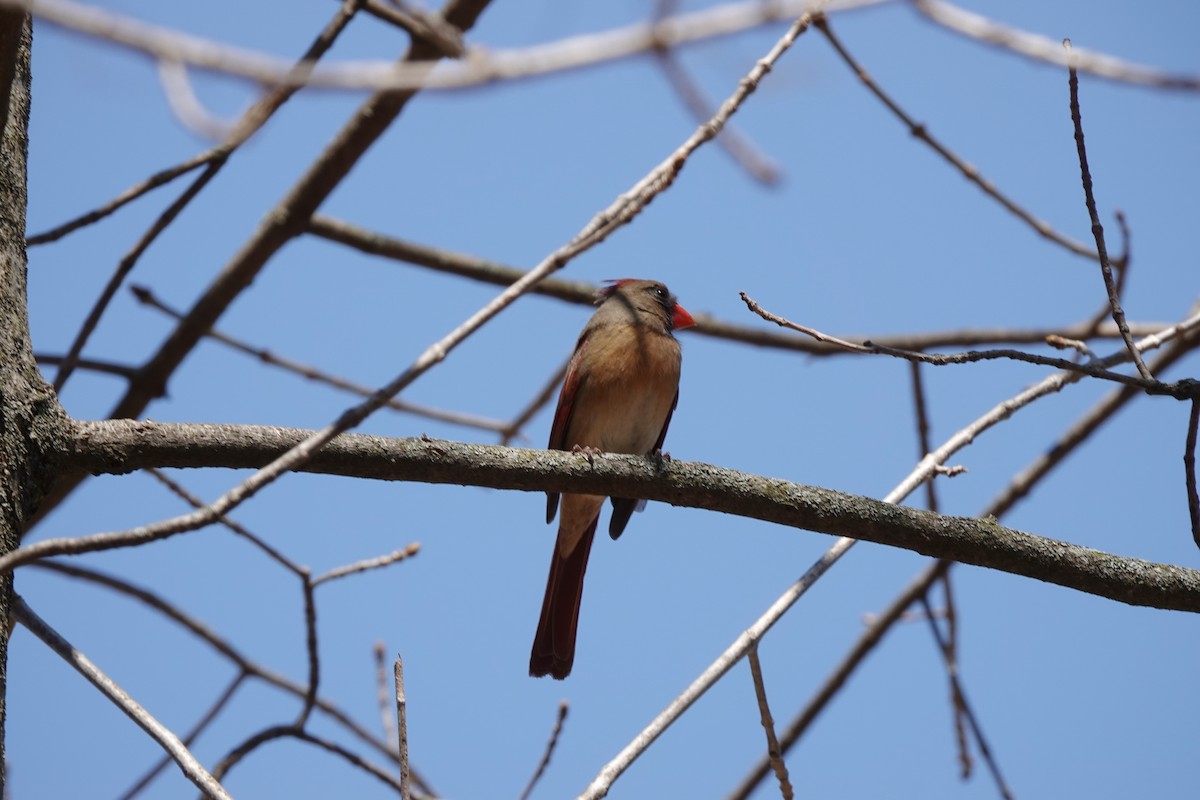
(621, 387)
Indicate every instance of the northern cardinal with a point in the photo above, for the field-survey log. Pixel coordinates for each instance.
(621, 387)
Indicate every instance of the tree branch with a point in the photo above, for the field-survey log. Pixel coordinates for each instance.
(119, 446)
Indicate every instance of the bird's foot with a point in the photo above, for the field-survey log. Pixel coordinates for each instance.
(659, 458)
(590, 452)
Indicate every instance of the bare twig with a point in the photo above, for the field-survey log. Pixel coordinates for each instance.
(382, 694)
(147, 297)
(311, 649)
(951, 650)
(551, 743)
(922, 414)
(126, 265)
(402, 726)
(743, 151)
(252, 743)
(931, 501)
(421, 24)
(94, 365)
(1114, 300)
(539, 401)
(1189, 466)
(1181, 390)
(368, 564)
(962, 706)
(478, 67)
(773, 753)
(169, 742)
(156, 180)
(216, 708)
(970, 172)
(235, 527)
(1045, 49)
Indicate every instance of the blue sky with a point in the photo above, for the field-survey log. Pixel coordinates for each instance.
(869, 233)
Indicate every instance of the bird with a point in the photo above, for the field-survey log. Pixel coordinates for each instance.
(620, 390)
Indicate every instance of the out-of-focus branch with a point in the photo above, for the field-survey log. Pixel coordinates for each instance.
(478, 66)
(1042, 48)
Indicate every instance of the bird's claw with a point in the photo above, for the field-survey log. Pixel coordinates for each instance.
(590, 452)
(659, 458)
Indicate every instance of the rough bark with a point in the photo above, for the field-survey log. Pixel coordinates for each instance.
(33, 426)
(118, 446)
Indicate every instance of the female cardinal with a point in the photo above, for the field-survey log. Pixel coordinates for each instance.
(622, 385)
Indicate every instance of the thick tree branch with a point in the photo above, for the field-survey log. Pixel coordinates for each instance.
(119, 446)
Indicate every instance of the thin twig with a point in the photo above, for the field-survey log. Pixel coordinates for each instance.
(126, 265)
(551, 743)
(145, 296)
(773, 753)
(1184, 389)
(210, 637)
(311, 649)
(951, 650)
(931, 502)
(368, 564)
(479, 66)
(94, 365)
(156, 180)
(200, 726)
(960, 703)
(384, 698)
(1114, 300)
(236, 527)
(169, 742)
(921, 411)
(1189, 466)
(970, 172)
(539, 401)
(271, 734)
(832, 684)
(402, 725)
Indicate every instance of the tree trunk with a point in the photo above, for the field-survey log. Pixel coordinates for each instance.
(32, 424)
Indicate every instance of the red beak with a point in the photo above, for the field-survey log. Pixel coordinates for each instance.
(680, 318)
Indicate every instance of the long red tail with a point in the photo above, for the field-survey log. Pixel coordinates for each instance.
(554, 644)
